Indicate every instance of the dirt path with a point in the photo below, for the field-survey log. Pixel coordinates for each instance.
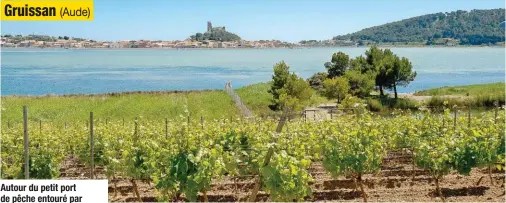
(322, 111)
(243, 108)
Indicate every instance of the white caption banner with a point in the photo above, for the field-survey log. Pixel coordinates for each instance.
(71, 191)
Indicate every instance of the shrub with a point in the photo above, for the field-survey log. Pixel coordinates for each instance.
(399, 103)
(489, 100)
(336, 88)
(437, 101)
(404, 104)
(352, 104)
(374, 105)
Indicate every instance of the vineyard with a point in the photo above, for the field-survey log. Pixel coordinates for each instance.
(448, 155)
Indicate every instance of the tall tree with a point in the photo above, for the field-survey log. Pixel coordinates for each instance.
(316, 80)
(361, 84)
(338, 64)
(400, 74)
(386, 64)
(336, 88)
(279, 79)
(374, 57)
(359, 63)
(295, 94)
(198, 36)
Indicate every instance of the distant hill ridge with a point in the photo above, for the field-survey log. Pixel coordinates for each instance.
(475, 27)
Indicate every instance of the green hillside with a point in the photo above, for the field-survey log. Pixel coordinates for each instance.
(217, 34)
(474, 27)
(471, 90)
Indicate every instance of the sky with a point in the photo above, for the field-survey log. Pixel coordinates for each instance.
(286, 20)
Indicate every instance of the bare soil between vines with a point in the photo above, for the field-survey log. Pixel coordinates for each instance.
(397, 181)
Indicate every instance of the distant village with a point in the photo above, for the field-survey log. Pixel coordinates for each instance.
(213, 38)
(77, 44)
(44, 41)
(37, 41)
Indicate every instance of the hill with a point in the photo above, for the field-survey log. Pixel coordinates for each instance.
(217, 34)
(475, 27)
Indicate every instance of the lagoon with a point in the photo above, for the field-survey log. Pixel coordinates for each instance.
(89, 71)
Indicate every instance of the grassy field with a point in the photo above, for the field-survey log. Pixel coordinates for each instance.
(467, 90)
(479, 95)
(160, 105)
(211, 104)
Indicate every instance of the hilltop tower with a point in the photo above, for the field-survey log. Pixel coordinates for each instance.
(209, 26)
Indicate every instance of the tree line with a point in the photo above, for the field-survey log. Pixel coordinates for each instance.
(345, 78)
(475, 27)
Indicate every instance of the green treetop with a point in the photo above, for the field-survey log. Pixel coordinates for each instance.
(338, 65)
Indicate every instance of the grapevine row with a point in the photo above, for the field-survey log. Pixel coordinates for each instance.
(184, 157)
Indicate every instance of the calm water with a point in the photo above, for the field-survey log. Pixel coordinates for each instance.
(63, 71)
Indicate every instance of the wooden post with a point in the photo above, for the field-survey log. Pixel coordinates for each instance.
(454, 119)
(123, 122)
(495, 112)
(135, 132)
(40, 126)
(166, 128)
(305, 115)
(9, 124)
(444, 120)
(331, 115)
(469, 118)
(202, 122)
(65, 125)
(357, 113)
(188, 122)
(25, 132)
(267, 159)
(134, 185)
(92, 148)
(188, 132)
